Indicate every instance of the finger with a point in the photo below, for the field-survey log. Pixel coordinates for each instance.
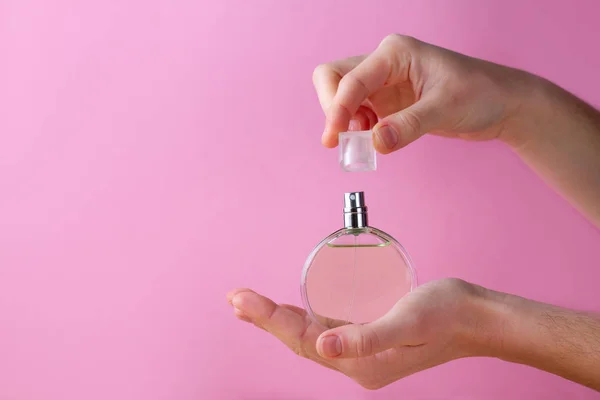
(388, 64)
(404, 127)
(241, 316)
(326, 78)
(300, 311)
(292, 327)
(361, 121)
(351, 341)
(372, 118)
(231, 294)
(325, 321)
(238, 313)
(287, 325)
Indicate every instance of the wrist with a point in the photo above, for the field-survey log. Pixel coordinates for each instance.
(527, 111)
(486, 326)
(504, 326)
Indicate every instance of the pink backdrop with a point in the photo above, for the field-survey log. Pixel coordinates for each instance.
(155, 154)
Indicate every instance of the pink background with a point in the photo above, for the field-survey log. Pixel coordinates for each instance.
(155, 154)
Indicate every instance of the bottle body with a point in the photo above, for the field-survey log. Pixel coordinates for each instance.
(355, 275)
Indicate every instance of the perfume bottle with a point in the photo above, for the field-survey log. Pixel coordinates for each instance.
(356, 274)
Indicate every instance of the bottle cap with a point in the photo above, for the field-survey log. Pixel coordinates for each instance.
(357, 153)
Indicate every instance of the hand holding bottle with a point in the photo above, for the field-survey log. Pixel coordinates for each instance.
(403, 90)
(429, 326)
(438, 322)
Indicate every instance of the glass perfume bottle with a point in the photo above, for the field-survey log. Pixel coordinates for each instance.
(356, 274)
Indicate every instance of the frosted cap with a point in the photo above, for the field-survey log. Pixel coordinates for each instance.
(357, 153)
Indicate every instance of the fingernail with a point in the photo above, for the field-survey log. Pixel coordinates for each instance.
(388, 136)
(331, 346)
(354, 125)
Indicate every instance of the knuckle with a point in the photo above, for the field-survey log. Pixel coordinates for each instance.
(353, 81)
(393, 38)
(410, 121)
(306, 329)
(347, 80)
(399, 51)
(403, 41)
(364, 345)
(456, 283)
(320, 70)
(271, 312)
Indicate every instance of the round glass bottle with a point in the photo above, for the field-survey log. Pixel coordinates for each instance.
(356, 274)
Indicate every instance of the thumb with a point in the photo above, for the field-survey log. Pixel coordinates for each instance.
(397, 130)
(351, 341)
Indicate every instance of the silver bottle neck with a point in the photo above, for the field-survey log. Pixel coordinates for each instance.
(355, 210)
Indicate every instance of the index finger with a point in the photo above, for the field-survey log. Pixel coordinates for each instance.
(289, 324)
(388, 64)
(327, 77)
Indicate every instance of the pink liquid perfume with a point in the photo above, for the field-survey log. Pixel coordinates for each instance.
(356, 274)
